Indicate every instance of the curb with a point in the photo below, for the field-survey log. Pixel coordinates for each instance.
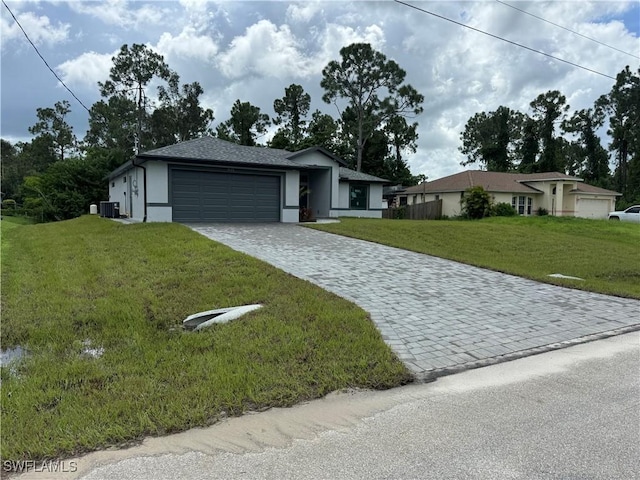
(432, 375)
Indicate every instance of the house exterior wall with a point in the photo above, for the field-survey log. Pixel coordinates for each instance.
(320, 160)
(128, 190)
(291, 207)
(158, 207)
(450, 203)
(375, 197)
(374, 202)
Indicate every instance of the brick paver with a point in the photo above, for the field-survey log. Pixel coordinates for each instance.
(437, 315)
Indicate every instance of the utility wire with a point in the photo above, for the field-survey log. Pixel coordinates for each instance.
(567, 29)
(45, 62)
(505, 40)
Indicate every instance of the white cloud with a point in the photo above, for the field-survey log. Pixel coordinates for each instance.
(87, 69)
(265, 49)
(39, 28)
(188, 44)
(336, 36)
(121, 13)
(304, 12)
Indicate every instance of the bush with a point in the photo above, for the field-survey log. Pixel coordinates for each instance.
(400, 213)
(542, 212)
(504, 209)
(9, 204)
(476, 203)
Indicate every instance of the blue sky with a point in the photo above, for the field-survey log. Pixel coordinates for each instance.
(252, 50)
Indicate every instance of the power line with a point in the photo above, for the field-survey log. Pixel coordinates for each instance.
(504, 40)
(567, 29)
(45, 62)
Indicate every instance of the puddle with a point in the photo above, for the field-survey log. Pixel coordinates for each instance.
(10, 355)
(91, 351)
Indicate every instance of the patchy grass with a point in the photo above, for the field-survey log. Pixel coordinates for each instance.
(125, 289)
(605, 254)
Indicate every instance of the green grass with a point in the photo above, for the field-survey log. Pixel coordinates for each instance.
(605, 254)
(126, 289)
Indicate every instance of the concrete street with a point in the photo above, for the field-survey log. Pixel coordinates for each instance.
(438, 316)
(568, 414)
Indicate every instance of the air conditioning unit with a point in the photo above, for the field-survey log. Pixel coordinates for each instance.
(110, 209)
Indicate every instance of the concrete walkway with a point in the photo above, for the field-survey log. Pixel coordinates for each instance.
(438, 316)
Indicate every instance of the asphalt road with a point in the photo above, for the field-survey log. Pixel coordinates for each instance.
(567, 414)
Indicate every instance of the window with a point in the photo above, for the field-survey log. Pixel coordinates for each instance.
(437, 197)
(124, 179)
(415, 199)
(358, 197)
(113, 184)
(522, 205)
(403, 201)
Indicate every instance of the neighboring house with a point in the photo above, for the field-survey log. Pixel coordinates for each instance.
(212, 180)
(559, 194)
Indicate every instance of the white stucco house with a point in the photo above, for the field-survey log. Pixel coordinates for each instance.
(559, 194)
(211, 180)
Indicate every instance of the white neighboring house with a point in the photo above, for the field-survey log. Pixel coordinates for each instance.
(559, 194)
(211, 180)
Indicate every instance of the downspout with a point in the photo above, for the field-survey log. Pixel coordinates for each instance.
(144, 183)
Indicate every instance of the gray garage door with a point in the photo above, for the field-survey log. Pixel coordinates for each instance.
(224, 197)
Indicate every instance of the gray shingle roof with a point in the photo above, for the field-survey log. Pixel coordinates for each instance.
(348, 174)
(217, 150)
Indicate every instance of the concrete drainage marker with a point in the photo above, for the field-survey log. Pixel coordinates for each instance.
(434, 374)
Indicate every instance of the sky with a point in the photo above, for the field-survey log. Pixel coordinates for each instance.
(252, 51)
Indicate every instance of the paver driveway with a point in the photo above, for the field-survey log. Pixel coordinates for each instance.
(437, 315)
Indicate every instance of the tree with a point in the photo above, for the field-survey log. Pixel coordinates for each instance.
(323, 131)
(548, 109)
(401, 137)
(622, 105)
(245, 124)
(529, 146)
(52, 127)
(292, 110)
(375, 154)
(67, 188)
(490, 139)
(10, 174)
(180, 116)
(592, 159)
(113, 125)
(372, 86)
(133, 69)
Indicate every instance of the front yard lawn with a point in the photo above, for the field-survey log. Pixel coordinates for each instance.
(98, 306)
(605, 254)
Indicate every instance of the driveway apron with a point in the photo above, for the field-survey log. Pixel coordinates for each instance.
(437, 315)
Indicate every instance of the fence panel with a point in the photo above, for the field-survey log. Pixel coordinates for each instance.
(419, 211)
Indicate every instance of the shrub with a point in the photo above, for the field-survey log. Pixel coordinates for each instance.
(504, 209)
(400, 213)
(476, 203)
(9, 203)
(542, 212)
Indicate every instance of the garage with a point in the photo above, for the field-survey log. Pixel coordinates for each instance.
(211, 197)
(593, 208)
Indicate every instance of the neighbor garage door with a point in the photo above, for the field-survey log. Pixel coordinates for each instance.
(593, 208)
(199, 196)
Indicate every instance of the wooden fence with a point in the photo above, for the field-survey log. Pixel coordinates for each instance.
(419, 211)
